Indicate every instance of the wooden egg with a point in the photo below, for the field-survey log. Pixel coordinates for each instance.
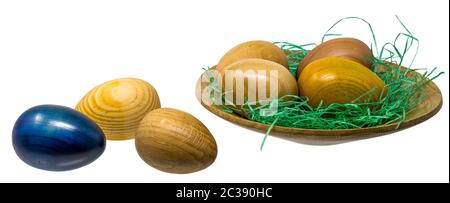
(57, 138)
(174, 141)
(348, 48)
(118, 106)
(245, 78)
(338, 80)
(254, 49)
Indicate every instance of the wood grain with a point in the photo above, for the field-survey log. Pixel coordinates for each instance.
(348, 48)
(256, 71)
(254, 49)
(428, 108)
(338, 80)
(118, 106)
(174, 141)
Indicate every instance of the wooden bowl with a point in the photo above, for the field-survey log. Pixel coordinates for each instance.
(428, 108)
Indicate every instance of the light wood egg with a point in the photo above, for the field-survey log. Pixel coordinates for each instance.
(118, 106)
(254, 49)
(174, 141)
(256, 80)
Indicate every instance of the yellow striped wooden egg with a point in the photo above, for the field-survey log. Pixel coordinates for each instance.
(254, 49)
(339, 80)
(118, 106)
(174, 141)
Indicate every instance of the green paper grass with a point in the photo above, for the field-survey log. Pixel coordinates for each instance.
(403, 93)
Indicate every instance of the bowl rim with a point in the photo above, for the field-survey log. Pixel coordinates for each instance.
(420, 114)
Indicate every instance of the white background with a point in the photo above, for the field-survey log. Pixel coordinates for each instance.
(53, 52)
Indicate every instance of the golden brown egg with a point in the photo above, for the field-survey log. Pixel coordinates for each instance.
(174, 141)
(118, 106)
(338, 80)
(256, 80)
(348, 48)
(254, 49)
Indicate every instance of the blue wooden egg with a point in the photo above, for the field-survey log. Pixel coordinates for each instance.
(57, 138)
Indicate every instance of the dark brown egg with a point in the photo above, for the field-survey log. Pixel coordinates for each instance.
(348, 48)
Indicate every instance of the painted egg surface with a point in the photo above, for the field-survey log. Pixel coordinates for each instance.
(174, 141)
(57, 138)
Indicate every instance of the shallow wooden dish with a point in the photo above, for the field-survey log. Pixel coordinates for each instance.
(428, 108)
